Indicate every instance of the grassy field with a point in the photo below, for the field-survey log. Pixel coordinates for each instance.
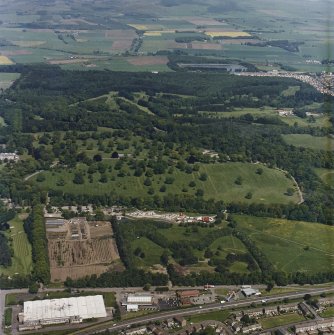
(279, 290)
(280, 320)
(152, 252)
(328, 312)
(216, 316)
(309, 141)
(291, 91)
(326, 175)
(8, 317)
(6, 80)
(22, 260)
(220, 247)
(320, 121)
(309, 245)
(269, 187)
(2, 122)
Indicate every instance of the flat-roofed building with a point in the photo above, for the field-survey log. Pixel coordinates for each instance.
(65, 310)
(139, 299)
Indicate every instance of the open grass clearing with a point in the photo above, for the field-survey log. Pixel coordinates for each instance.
(269, 187)
(6, 80)
(216, 316)
(151, 250)
(328, 312)
(326, 175)
(309, 141)
(280, 320)
(291, 91)
(309, 245)
(22, 259)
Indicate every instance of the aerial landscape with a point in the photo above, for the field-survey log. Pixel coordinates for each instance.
(166, 167)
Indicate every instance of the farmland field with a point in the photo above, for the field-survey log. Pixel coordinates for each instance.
(309, 244)
(39, 37)
(22, 259)
(269, 187)
(309, 141)
(76, 257)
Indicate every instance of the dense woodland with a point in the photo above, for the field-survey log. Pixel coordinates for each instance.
(47, 101)
(5, 251)
(35, 229)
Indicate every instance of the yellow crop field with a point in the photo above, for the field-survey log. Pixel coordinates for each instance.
(4, 60)
(138, 26)
(158, 32)
(227, 33)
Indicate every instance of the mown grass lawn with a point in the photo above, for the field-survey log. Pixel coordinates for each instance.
(309, 141)
(22, 259)
(268, 187)
(291, 245)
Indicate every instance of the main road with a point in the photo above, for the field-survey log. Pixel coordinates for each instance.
(197, 310)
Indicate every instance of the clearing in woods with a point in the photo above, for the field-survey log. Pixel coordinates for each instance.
(78, 248)
(309, 141)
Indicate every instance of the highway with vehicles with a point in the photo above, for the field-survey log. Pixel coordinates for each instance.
(112, 326)
(199, 309)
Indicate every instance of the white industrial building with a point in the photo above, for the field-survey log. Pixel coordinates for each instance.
(139, 299)
(132, 302)
(66, 310)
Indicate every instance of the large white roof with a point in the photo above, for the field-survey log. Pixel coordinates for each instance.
(85, 307)
(133, 299)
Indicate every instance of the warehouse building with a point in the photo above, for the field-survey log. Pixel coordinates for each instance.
(134, 301)
(57, 311)
(248, 292)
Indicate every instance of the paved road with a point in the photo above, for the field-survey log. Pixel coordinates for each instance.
(199, 310)
(170, 314)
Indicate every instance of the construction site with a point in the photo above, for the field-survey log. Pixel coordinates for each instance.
(78, 247)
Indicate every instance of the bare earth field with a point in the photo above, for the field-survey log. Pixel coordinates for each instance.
(206, 46)
(148, 60)
(198, 21)
(122, 39)
(87, 248)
